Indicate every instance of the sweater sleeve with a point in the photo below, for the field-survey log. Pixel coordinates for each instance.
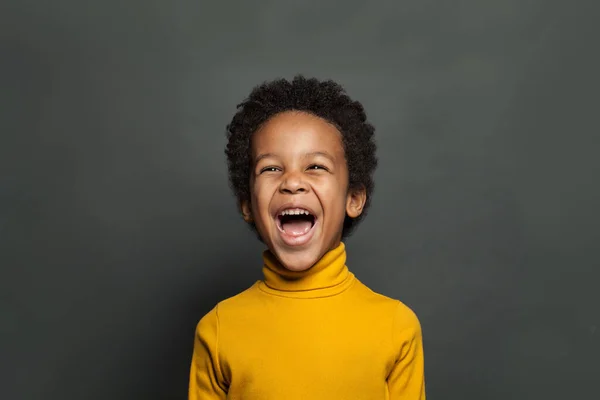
(206, 379)
(406, 380)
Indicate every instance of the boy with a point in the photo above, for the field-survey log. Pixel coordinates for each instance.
(301, 159)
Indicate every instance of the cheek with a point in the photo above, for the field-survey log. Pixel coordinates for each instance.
(333, 196)
(256, 188)
(262, 192)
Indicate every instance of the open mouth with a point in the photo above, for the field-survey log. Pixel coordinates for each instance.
(295, 222)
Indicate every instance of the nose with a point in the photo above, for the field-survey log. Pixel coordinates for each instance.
(293, 183)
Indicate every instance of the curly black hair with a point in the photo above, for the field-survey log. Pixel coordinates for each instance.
(325, 99)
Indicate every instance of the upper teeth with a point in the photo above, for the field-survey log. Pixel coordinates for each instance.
(294, 211)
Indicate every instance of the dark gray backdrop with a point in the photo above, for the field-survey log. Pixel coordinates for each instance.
(118, 231)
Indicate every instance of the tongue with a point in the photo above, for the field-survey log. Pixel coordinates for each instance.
(296, 227)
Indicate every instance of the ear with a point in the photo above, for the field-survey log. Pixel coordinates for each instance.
(355, 202)
(246, 210)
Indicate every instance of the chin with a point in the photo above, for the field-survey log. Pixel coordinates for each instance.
(298, 259)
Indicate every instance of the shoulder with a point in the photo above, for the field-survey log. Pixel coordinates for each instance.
(405, 319)
(240, 300)
(402, 315)
(377, 299)
(228, 305)
(233, 302)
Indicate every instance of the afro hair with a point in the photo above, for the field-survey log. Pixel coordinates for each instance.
(325, 99)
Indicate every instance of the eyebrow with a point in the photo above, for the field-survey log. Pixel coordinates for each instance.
(264, 155)
(320, 153)
(307, 155)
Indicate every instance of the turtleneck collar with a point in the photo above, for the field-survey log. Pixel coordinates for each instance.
(328, 277)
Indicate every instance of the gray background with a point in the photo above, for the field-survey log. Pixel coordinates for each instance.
(118, 230)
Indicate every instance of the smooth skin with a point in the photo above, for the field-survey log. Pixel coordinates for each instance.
(298, 161)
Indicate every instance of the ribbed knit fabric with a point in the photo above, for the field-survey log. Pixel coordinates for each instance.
(310, 335)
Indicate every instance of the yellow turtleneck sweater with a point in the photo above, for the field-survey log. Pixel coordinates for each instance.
(310, 335)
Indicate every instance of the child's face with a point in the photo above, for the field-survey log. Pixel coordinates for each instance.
(298, 166)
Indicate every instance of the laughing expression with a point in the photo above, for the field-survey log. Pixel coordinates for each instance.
(299, 188)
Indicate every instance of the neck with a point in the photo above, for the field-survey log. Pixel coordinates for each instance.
(328, 277)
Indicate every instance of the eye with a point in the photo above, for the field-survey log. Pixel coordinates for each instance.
(317, 167)
(269, 169)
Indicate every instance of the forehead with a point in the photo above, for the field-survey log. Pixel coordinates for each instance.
(294, 132)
